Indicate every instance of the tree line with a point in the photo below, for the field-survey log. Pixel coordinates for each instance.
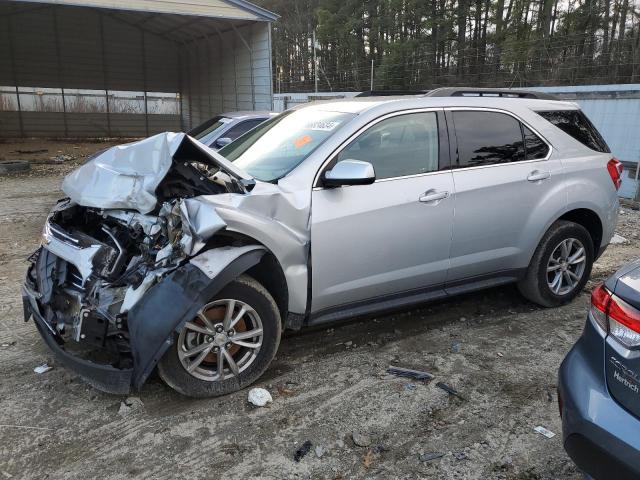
(422, 44)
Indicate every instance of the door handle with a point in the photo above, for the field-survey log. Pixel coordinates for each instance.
(433, 196)
(538, 175)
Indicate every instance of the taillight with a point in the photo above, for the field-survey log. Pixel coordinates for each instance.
(616, 316)
(600, 299)
(614, 167)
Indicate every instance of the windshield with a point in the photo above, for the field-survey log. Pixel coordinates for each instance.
(207, 127)
(277, 146)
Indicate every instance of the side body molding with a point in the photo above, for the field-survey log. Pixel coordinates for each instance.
(176, 299)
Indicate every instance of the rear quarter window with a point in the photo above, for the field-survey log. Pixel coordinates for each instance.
(576, 124)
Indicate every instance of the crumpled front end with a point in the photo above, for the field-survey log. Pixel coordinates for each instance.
(151, 231)
(108, 287)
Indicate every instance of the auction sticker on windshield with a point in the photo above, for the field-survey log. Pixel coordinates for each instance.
(326, 126)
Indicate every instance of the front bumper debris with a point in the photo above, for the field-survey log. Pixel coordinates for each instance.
(103, 377)
(151, 322)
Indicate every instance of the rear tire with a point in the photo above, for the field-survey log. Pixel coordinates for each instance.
(558, 254)
(204, 380)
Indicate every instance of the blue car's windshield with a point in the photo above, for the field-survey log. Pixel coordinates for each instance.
(207, 127)
(274, 148)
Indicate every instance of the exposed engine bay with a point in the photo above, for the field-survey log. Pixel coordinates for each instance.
(97, 264)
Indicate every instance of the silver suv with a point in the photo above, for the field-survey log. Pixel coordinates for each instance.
(167, 254)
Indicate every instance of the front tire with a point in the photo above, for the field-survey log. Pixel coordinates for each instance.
(229, 344)
(560, 267)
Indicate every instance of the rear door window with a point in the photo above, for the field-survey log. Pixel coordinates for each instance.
(490, 138)
(576, 124)
(487, 138)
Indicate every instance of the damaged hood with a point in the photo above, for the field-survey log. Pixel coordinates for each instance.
(127, 176)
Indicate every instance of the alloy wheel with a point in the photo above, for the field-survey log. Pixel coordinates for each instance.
(222, 341)
(566, 266)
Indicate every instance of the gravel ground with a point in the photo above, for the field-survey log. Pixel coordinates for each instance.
(329, 387)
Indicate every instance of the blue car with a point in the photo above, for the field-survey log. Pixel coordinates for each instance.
(221, 130)
(599, 383)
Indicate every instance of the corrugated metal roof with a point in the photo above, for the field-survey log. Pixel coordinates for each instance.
(226, 9)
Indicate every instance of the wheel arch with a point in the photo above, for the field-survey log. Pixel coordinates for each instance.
(269, 273)
(588, 219)
(168, 304)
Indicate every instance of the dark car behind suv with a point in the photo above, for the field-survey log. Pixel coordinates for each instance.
(599, 382)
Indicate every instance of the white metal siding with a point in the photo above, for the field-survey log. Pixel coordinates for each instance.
(222, 74)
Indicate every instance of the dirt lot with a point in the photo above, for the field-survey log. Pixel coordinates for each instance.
(499, 351)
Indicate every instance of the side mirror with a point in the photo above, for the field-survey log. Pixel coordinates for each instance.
(349, 172)
(223, 142)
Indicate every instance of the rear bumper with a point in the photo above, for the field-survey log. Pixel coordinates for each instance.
(103, 377)
(599, 435)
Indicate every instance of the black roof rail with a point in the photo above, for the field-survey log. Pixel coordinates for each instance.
(488, 92)
(389, 93)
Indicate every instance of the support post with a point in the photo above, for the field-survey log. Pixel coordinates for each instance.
(144, 84)
(248, 47)
(56, 34)
(105, 75)
(208, 63)
(14, 72)
(221, 69)
(183, 124)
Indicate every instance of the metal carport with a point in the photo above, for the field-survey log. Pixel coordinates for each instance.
(81, 68)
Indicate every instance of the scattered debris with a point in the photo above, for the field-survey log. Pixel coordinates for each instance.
(410, 387)
(348, 344)
(124, 410)
(9, 344)
(460, 455)
(44, 368)
(285, 392)
(618, 240)
(428, 457)
(500, 354)
(379, 448)
(455, 347)
(450, 390)
(61, 158)
(319, 451)
(408, 373)
(302, 451)
(259, 397)
(130, 405)
(367, 461)
(361, 439)
(543, 431)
